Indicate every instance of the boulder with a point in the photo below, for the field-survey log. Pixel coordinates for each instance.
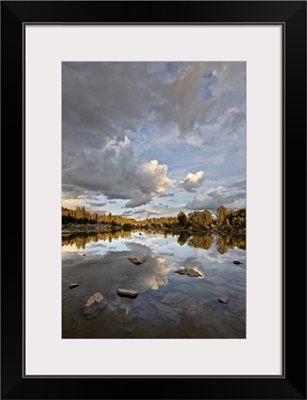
(132, 294)
(188, 271)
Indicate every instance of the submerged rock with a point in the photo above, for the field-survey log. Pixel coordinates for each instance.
(84, 254)
(73, 285)
(237, 262)
(188, 271)
(96, 298)
(132, 294)
(136, 260)
(224, 300)
(94, 303)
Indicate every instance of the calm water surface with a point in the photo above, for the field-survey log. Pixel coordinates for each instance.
(169, 305)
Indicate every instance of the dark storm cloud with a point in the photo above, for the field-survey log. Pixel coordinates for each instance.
(101, 101)
(115, 172)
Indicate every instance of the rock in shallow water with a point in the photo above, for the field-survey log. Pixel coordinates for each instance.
(73, 285)
(96, 298)
(94, 303)
(237, 262)
(132, 294)
(136, 260)
(188, 271)
(224, 300)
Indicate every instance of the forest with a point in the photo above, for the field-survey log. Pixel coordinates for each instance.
(223, 219)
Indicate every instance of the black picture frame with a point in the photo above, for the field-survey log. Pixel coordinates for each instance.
(292, 16)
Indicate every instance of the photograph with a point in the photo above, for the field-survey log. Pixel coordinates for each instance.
(160, 185)
(154, 200)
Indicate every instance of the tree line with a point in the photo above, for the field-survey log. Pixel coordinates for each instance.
(81, 216)
(224, 218)
(197, 220)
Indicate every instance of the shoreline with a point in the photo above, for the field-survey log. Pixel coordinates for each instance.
(70, 229)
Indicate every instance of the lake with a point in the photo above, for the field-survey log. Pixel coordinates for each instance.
(169, 305)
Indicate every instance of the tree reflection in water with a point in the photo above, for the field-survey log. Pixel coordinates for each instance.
(230, 241)
(201, 240)
(80, 239)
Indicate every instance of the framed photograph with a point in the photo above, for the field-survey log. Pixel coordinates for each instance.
(162, 150)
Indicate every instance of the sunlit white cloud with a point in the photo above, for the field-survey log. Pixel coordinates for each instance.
(71, 203)
(192, 181)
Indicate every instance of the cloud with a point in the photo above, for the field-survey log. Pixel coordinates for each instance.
(141, 213)
(233, 197)
(196, 102)
(105, 99)
(240, 185)
(127, 213)
(73, 197)
(128, 128)
(72, 203)
(192, 181)
(96, 204)
(141, 201)
(166, 195)
(117, 173)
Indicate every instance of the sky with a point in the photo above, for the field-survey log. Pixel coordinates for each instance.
(151, 139)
